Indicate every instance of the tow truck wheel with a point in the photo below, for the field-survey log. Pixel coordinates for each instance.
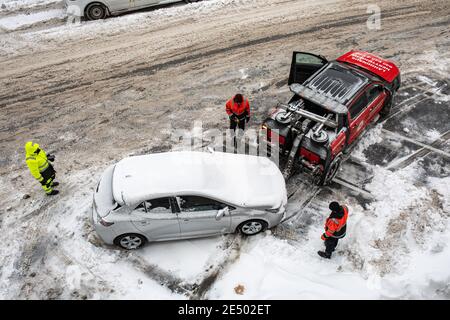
(328, 175)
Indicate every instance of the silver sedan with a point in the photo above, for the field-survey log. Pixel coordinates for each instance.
(181, 195)
(100, 9)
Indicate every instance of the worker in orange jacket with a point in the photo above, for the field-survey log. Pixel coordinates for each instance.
(238, 110)
(335, 228)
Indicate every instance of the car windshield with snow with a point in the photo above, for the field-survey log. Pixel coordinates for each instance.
(180, 195)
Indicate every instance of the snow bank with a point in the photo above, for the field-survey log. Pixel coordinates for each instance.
(186, 259)
(271, 268)
(371, 137)
(18, 21)
(396, 248)
(136, 20)
(7, 5)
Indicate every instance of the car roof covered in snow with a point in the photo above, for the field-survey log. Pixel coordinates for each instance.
(242, 180)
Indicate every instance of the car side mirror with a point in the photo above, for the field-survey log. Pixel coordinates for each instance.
(222, 213)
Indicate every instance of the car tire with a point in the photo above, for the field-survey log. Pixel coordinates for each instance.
(252, 227)
(96, 11)
(130, 241)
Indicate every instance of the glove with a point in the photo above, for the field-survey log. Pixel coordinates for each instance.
(324, 237)
(42, 182)
(233, 118)
(51, 157)
(247, 119)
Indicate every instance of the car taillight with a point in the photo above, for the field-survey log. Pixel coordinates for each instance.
(104, 223)
(308, 155)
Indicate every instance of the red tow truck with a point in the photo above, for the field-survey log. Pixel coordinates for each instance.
(332, 105)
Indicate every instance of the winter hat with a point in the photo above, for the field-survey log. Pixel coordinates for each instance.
(334, 206)
(238, 98)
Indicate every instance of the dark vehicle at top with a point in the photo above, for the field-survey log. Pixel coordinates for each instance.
(333, 103)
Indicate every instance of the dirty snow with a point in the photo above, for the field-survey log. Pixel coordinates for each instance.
(433, 134)
(371, 137)
(397, 243)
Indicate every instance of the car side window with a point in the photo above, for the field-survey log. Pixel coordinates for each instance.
(358, 106)
(159, 205)
(195, 203)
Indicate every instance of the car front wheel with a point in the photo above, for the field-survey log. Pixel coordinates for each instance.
(252, 227)
(130, 241)
(96, 11)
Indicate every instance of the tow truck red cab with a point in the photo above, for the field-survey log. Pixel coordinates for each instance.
(332, 105)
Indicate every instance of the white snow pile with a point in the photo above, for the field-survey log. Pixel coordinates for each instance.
(371, 137)
(8, 5)
(21, 20)
(433, 134)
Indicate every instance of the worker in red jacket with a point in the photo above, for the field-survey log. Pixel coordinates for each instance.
(238, 110)
(335, 228)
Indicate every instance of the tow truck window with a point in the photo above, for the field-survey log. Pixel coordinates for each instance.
(373, 93)
(307, 58)
(358, 106)
(194, 203)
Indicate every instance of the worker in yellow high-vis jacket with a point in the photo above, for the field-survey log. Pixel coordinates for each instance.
(40, 167)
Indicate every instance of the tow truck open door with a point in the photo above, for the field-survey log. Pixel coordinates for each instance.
(303, 65)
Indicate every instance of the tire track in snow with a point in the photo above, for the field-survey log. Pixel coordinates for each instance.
(153, 69)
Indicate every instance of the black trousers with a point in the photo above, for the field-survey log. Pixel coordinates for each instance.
(235, 124)
(48, 174)
(330, 245)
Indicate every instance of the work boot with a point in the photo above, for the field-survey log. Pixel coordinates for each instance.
(324, 254)
(53, 192)
(55, 183)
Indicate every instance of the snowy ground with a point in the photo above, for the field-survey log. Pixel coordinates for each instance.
(100, 91)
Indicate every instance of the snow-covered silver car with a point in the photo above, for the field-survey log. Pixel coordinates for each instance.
(100, 9)
(180, 195)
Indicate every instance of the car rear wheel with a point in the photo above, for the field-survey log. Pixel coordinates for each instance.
(96, 11)
(252, 227)
(130, 241)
